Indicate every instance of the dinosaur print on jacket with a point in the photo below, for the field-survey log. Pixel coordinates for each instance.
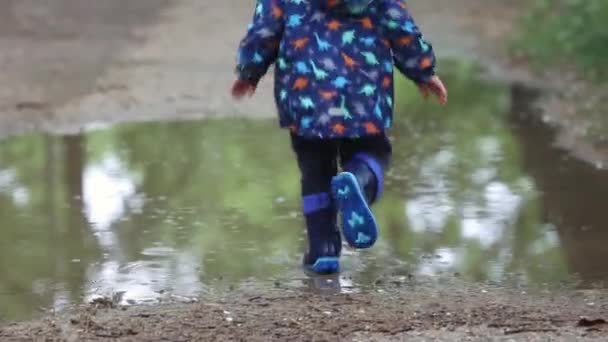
(334, 61)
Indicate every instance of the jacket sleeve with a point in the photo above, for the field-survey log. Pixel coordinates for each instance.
(412, 55)
(259, 48)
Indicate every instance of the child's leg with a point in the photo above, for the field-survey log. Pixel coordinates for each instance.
(318, 165)
(368, 158)
(364, 161)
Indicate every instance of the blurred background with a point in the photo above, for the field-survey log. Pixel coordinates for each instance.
(127, 171)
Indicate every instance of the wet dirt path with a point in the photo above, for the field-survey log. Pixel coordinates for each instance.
(66, 65)
(422, 313)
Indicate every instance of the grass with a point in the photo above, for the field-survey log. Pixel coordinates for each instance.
(567, 32)
(571, 36)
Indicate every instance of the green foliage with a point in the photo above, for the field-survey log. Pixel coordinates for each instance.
(566, 32)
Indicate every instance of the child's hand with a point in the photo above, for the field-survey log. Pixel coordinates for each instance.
(241, 88)
(435, 86)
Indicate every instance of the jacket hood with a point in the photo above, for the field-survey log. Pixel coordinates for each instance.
(350, 7)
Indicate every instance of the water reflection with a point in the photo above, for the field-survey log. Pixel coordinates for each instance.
(573, 197)
(159, 211)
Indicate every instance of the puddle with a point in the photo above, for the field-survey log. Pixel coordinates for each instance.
(170, 211)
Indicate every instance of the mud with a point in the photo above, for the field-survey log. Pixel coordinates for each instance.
(406, 311)
(68, 65)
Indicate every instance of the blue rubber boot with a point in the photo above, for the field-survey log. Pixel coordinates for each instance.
(355, 190)
(324, 240)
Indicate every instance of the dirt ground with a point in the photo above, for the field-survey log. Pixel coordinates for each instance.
(68, 65)
(402, 311)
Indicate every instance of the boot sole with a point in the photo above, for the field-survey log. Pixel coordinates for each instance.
(359, 225)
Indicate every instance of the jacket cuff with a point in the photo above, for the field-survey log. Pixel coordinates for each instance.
(424, 76)
(247, 74)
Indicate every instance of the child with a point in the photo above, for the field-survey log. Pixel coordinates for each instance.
(334, 91)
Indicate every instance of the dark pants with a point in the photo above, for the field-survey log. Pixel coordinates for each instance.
(318, 160)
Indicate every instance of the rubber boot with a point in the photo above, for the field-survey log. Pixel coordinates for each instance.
(355, 189)
(324, 240)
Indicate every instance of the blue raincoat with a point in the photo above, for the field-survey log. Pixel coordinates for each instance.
(334, 62)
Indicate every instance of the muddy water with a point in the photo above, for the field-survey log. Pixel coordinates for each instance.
(169, 211)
